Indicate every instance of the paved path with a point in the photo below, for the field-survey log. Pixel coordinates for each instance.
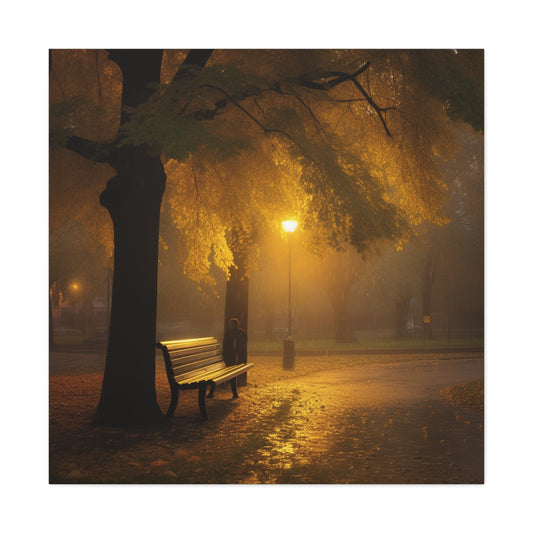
(368, 424)
(371, 423)
(398, 383)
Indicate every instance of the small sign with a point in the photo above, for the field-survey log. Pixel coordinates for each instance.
(427, 319)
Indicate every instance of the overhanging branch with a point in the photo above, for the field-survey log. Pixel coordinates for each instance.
(319, 126)
(256, 121)
(328, 80)
(336, 78)
(94, 151)
(373, 104)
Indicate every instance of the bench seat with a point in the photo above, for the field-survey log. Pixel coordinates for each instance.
(197, 364)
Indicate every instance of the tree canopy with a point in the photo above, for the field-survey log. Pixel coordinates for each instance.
(347, 140)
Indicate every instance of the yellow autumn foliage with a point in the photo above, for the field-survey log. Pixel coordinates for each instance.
(288, 149)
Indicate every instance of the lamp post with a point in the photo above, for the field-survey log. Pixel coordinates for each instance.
(288, 344)
(75, 290)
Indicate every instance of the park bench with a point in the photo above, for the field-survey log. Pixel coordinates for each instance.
(197, 364)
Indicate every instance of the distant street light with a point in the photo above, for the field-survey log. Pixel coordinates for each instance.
(288, 344)
(75, 290)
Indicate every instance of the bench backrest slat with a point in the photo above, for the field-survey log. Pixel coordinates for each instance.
(181, 360)
(185, 369)
(184, 359)
(187, 343)
(182, 352)
(201, 374)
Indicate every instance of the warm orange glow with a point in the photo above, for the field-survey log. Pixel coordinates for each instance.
(289, 225)
(74, 286)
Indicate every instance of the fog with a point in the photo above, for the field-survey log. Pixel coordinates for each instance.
(340, 299)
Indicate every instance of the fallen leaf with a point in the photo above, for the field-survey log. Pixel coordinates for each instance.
(159, 462)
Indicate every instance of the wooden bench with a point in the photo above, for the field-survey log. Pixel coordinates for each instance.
(197, 364)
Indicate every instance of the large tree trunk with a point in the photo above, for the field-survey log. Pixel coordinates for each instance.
(133, 199)
(237, 286)
(236, 304)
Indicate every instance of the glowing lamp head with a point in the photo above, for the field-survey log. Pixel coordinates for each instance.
(289, 225)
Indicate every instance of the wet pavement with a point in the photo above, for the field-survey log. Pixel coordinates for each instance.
(371, 423)
(368, 424)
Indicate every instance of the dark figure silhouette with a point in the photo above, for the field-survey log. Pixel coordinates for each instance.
(234, 345)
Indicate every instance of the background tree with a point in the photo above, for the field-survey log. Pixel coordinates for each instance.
(441, 260)
(338, 272)
(75, 257)
(83, 92)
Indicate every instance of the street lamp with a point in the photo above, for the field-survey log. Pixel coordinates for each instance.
(288, 344)
(75, 292)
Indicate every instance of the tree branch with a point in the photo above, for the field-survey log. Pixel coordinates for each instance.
(341, 77)
(305, 81)
(349, 100)
(338, 78)
(373, 104)
(195, 60)
(94, 151)
(319, 126)
(251, 117)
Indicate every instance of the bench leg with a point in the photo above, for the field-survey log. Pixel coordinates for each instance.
(173, 401)
(212, 390)
(234, 387)
(201, 401)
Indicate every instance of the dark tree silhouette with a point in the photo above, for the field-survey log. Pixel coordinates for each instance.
(133, 198)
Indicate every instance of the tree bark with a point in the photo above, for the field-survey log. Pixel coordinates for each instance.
(237, 286)
(236, 305)
(133, 199)
(237, 295)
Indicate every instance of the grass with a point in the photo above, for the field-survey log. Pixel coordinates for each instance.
(329, 345)
(365, 341)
